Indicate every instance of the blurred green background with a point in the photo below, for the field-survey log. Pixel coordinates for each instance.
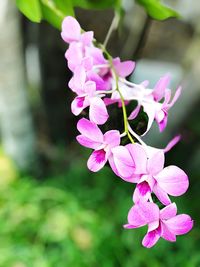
(53, 211)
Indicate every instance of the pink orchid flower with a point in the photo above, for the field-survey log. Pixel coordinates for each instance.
(164, 223)
(134, 165)
(92, 137)
(88, 96)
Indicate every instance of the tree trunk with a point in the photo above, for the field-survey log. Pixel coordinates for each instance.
(16, 125)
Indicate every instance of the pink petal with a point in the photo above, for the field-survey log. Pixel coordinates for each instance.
(78, 104)
(97, 160)
(112, 164)
(176, 96)
(162, 84)
(79, 77)
(142, 192)
(123, 162)
(156, 163)
(100, 83)
(161, 195)
(172, 143)
(125, 68)
(87, 142)
(87, 37)
(71, 30)
(87, 63)
(134, 113)
(139, 157)
(180, 224)
(173, 180)
(90, 88)
(151, 238)
(90, 130)
(143, 213)
(112, 138)
(98, 112)
(96, 54)
(162, 124)
(167, 234)
(74, 55)
(168, 212)
(129, 226)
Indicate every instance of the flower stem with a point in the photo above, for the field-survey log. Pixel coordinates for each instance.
(125, 118)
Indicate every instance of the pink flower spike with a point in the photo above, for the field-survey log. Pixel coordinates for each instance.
(71, 30)
(92, 137)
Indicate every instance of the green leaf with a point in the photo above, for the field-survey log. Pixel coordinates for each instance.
(157, 10)
(55, 11)
(95, 4)
(31, 9)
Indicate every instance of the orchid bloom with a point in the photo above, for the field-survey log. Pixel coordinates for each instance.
(161, 223)
(149, 173)
(88, 96)
(149, 100)
(92, 137)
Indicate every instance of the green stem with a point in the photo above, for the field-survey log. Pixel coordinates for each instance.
(125, 118)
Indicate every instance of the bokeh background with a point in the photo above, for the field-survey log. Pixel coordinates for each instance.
(53, 211)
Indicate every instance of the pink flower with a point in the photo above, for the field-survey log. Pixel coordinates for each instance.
(133, 165)
(92, 137)
(164, 223)
(88, 96)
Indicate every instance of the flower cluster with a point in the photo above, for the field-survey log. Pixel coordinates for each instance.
(99, 81)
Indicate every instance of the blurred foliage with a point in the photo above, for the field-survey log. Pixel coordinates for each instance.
(54, 11)
(157, 10)
(75, 220)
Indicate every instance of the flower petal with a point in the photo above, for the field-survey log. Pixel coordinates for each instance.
(87, 142)
(90, 130)
(173, 180)
(78, 105)
(161, 195)
(156, 163)
(161, 85)
(143, 213)
(125, 68)
(134, 113)
(172, 143)
(168, 212)
(98, 112)
(123, 162)
(167, 234)
(149, 109)
(176, 96)
(112, 138)
(139, 157)
(87, 37)
(151, 238)
(180, 224)
(142, 192)
(71, 30)
(97, 160)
